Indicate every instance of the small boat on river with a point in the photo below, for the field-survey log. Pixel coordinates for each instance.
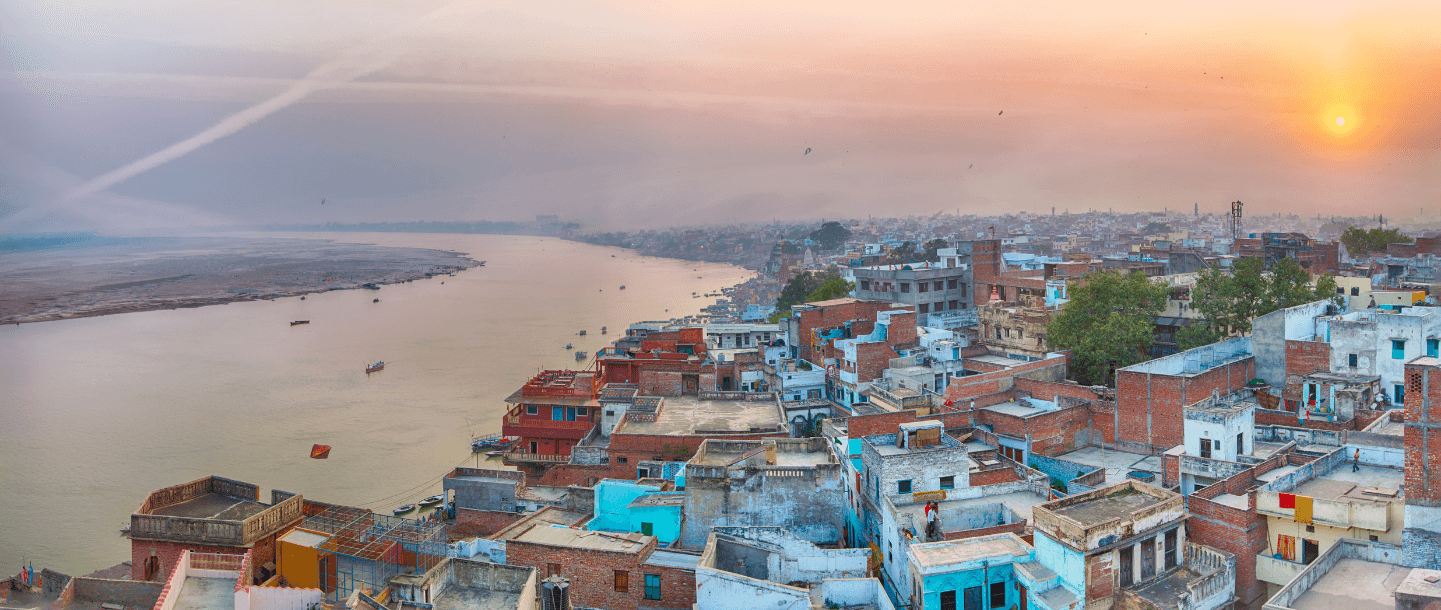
(582, 333)
(375, 367)
(494, 441)
(431, 501)
(299, 322)
(404, 509)
(580, 355)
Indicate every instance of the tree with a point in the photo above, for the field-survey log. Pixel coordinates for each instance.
(933, 247)
(1228, 304)
(1360, 242)
(904, 253)
(1154, 228)
(1109, 323)
(831, 235)
(809, 286)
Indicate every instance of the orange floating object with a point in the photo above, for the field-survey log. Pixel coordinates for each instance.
(320, 452)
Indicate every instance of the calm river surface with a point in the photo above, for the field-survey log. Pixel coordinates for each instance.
(97, 412)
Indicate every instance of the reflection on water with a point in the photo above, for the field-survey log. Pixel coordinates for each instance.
(97, 412)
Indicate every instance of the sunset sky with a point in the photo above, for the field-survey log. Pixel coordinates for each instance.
(127, 115)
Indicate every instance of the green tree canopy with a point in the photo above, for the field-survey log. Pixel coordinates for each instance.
(1154, 227)
(810, 286)
(1229, 303)
(932, 247)
(904, 253)
(1361, 241)
(831, 235)
(1109, 323)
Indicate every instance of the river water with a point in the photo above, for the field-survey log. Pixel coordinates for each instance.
(97, 412)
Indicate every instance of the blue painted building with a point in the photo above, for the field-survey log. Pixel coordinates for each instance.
(969, 574)
(612, 504)
(658, 514)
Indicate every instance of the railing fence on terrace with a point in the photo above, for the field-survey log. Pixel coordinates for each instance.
(216, 561)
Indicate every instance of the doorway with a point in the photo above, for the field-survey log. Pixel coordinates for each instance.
(1309, 551)
(689, 385)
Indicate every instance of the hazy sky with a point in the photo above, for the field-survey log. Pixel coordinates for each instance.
(132, 114)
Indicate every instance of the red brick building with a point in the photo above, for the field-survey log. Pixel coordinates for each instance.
(855, 317)
(1150, 396)
(552, 413)
(605, 569)
(209, 515)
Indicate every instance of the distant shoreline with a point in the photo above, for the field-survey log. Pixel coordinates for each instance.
(151, 274)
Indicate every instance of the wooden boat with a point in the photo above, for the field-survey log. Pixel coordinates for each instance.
(602, 330)
(494, 441)
(375, 367)
(404, 509)
(432, 501)
(622, 286)
(376, 301)
(580, 355)
(299, 322)
(582, 333)
(370, 286)
(569, 346)
(320, 452)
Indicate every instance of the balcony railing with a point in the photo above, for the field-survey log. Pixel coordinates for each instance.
(216, 561)
(217, 532)
(519, 456)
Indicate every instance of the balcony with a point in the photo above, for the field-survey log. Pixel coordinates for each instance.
(517, 455)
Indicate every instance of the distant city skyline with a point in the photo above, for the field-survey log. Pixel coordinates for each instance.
(160, 114)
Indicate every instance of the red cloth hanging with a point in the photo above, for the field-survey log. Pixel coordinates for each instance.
(1288, 501)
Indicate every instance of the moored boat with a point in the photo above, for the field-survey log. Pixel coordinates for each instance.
(582, 333)
(375, 367)
(404, 509)
(494, 441)
(580, 355)
(299, 322)
(431, 501)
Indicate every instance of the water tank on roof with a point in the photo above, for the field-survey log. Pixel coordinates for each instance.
(555, 593)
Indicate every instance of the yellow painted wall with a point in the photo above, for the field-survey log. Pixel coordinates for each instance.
(299, 565)
(1325, 535)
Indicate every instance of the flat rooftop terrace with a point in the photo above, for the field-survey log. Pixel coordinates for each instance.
(1344, 485)
(1389, 428)
(682, 415)
(470, 598)
(206, 594)
(1166, 592)
(1354, 584)
(213, 506)
(1018, 409)
(955, 552)
(1117, 463)
(1103, 509)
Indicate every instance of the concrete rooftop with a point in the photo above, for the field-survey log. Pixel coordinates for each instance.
(1166, 592)
(1342, 484)
(468, 598)
(1117, 463)
(681, 415)
(1353, 584)
(553, 535)
(1106, 508)
(213, 506)
(1017, 409)
(206, 594)
(956, 552)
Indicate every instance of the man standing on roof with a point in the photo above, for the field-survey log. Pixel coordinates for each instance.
(931, 510)
(1356, 461)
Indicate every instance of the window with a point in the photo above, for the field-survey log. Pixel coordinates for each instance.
(973, 598)
(647, 528)
(1340, 290)
(530, 410)
(610, 413)
(963, 290)
(1355, 291)
(1206, 448)
(923, 286)
(948, 600)
(1431, 345)
(948, 482)
(923, 308)
(905, 286)
(557, 414)
(951, 284)
(1240, 442)
(1351, 360)
(939, 306)
(998, 594)
(652, 586)
(903, 486)
(1374, 538)
(1400, 394)
(865, 284)
(622, 581)
(552, 569)
(580, 411)
(1310, 529)
(1398, 349)
(940, 285)
(953, 305)
(621, 459)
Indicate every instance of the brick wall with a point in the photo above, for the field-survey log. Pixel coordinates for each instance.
(1242, 533)
(1423, 443)
(677, 587)
(1150, 405)
(659, 383)
(858, 426)
(872, 359)
(1100, 577)
(482, 523)
(902, 330)
(1018, 528)
(592, 573)
(1306, 357)
(168, 554)
(1049, 390)
(128, 592)
(986, 267)
(994, 476)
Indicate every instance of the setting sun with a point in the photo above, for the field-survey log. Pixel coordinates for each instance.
(1340, 121)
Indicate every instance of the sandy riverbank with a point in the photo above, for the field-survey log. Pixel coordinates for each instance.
(143, 274)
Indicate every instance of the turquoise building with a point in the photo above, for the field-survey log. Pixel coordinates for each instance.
(626, 506)
(970, 574)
